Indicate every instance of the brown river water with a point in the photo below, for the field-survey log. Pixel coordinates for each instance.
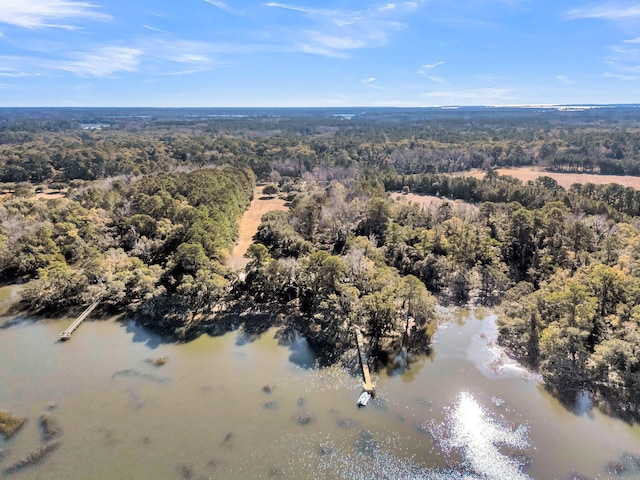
(462, 413)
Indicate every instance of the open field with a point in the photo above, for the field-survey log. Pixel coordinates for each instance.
(50, 194)
(564, 179)
(431, 203)
(249, 225)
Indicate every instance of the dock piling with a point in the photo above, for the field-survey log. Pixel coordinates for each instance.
(366, 375)
(66, 335)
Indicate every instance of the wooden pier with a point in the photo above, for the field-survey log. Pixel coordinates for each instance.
(366, 375)
(66, 335)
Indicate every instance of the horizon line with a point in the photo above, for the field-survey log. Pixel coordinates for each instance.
(333, 107)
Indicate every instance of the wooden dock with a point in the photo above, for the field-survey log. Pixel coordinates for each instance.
(366, 375)
(66, 335)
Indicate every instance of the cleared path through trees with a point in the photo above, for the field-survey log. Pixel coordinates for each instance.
(249, 225)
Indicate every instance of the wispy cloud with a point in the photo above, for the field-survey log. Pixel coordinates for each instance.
(104, 62)
(14, 74)
(370, 82)
(335, 33)
(154, 29)
(425, 71)
(621, 76)
(563, 79)
(606, 11)
(219, 4)
(191, 56)
(624, 62)
(12, 66)
(429, 66)
(307, 10)
(223, 6)
(388, 6)
(189, 71)
(33, 14)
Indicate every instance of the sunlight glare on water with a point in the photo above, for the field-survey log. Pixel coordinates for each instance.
(480, 437)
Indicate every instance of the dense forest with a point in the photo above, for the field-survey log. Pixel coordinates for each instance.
(149, 201)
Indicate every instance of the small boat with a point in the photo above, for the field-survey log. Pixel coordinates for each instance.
(364, 399)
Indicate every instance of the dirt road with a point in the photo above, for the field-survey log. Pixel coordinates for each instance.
(249, 225)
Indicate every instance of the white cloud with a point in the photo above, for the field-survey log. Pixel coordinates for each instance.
(306, 10)
(334, 33)
(188, 71)
(370, 82)
(623, 51)
(432, 65)
(606, 11)
(154, 29)
(219, 4)
(435, 79)
(186, 57)
(565, 80)
(334, 42)
(425, 71)
(189, 56)
(34, 14)
(320, 50)
(633, 40)
(224, 6)
(620, 76)
(104, 62)
(14, 74)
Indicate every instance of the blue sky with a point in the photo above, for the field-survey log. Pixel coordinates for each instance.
(212, 53)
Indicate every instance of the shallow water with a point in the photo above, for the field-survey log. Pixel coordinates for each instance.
(462, 413)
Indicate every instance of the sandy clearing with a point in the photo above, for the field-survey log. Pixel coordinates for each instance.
(48, 194)
(565, 180)
(431, 203)
(427, 201)
(249, 223)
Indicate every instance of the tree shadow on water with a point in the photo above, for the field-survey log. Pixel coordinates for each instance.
(302, 354)
(254, 325)
(252, 331)
(11, 322)
(143, 335)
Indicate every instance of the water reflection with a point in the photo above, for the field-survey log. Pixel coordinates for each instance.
(475, 444)
(470, 428)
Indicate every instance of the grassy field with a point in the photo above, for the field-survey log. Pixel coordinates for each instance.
(432, 203)
(564, 179)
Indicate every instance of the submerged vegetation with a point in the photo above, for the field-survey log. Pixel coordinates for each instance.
(10, 425)
(142, 214)
(33, 458)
